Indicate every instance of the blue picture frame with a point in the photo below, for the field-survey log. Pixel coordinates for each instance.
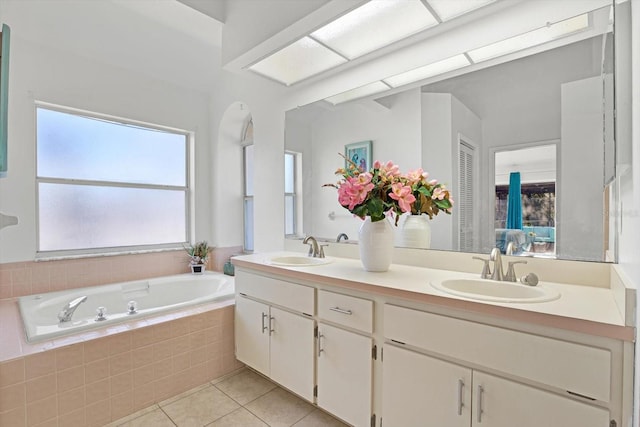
(359, 153)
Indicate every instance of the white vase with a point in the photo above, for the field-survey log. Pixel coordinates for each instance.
(375, 241)
(415, 232)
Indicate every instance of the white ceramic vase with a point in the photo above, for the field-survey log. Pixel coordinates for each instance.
(415, 232)
(375, 241)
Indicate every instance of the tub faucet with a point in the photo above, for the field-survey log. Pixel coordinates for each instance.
(341, 236)
(67, 311)
(315, 250)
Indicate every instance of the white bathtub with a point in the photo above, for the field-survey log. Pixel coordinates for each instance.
(153, 296)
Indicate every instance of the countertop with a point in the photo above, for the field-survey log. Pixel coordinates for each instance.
(585, 309)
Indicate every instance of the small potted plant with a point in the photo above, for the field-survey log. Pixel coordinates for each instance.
(199, 253)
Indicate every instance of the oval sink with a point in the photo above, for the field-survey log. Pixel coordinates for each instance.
(491, 290)
(298, 261)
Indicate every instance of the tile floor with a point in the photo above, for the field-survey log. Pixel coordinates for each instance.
(243, 399)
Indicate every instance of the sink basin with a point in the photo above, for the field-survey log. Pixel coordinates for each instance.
(491, 290)
(298, 261)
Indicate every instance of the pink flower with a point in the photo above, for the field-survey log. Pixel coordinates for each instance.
(402, 193)
(354, 190)
(440, 193)
(433, 182)
(417, 175)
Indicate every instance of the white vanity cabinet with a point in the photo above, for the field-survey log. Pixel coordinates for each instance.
(437, 391)
(274, 330)
(345, 360)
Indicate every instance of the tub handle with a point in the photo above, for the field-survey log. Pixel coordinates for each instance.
(101, 314)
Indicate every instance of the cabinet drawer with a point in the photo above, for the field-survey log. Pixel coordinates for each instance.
(296, 297)
(572, 367)
(346, 310)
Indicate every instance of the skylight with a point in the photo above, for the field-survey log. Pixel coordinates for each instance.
(448, 9)
(530, 39)
(359, 92)
(373, 25)
(427, 71)
(301, 59)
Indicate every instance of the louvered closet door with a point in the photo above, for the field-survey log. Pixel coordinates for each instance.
(465, 197)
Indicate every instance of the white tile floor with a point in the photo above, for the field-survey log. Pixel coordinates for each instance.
(243, 399)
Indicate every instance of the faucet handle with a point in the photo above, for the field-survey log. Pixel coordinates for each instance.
(486, 270)
(321, 250)
(511, 272)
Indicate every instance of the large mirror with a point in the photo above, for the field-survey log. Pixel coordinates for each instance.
(543, 115)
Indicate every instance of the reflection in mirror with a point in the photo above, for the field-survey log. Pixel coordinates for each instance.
(551, 104)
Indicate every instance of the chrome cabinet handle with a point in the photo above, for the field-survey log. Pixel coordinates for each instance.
(320, 349)
(264, 327)
(460, 396)
(480, 411)
(341, 310)
(271, 330)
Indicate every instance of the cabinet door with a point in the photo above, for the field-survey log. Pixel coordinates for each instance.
(344, 374)
(419, 391)
(292, 344)
(502, 403)
(252, 333)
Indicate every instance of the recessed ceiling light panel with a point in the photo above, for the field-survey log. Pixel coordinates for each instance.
(448, 9)
(373, 25)
(427, 71)
(358, 92)
(532, 38)
(296, 62)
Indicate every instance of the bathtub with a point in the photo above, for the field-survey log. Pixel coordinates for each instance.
(152, 296)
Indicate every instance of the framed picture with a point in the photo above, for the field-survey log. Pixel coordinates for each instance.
(359, 153)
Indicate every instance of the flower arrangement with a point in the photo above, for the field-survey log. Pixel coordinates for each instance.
(199, 253)
(383, 190)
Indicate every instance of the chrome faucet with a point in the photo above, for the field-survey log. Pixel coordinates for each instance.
(340, 236)
(496, 257)
(315, 250)
(67, 311)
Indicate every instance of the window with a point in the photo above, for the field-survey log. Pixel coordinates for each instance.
(538, 204)
(105, 184)
(248, 198)
(290, 193)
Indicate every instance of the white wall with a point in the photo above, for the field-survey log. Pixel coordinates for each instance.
(134, 77)
(579, 209)
(395, 135)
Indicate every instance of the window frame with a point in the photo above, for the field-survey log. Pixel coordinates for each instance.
(188, 188)
(248, 240)
(293, 195)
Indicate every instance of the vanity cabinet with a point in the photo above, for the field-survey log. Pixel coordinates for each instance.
(420, 390)
(274, 334)
(436, 391)
(345, 360)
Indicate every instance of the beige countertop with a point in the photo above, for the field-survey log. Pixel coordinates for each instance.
(585, 309)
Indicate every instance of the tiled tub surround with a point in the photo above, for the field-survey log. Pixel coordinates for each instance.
(106, 375)
(102, 375)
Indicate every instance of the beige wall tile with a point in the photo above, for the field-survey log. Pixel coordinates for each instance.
(143, 396)
(120, 363)
(181, 344)
(122, 405)
(121, 383)
(162, 350)
(181, 362)
(162, 368)
(141, 356)
(42, 410)
(15, 418)
(142, 337)
(12, 372)
(69, 356)
(143, 375)
(71, 400)
(41, 387)
(13, 396)
(119, 343)
(96, 371)
(98, 414)
(96, 349)
(40, 364)
(70, 378)
(97, 391)
(75, 418)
